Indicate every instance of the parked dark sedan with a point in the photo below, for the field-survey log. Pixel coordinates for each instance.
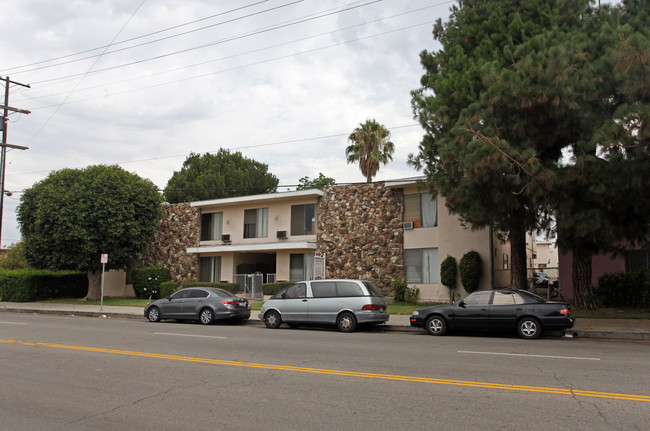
(496, 310)
(206, 304)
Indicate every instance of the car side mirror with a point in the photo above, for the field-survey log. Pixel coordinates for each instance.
(461, 304)
(169, 298)
(284, 295)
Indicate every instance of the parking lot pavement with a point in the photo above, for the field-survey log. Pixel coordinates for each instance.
(622, 329)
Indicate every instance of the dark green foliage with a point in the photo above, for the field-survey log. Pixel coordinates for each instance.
(27, 285)
(74, 215)
(220, 175)
(398, 286)
(449, 274)
(166, 289)
(317, 183)
(624, 290)
(147, 280)
(273, 288)
(230, 287)
(471, 271)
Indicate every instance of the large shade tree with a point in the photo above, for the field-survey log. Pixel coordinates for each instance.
(489, 132)
(370, 145)
(219, 175)
(73, 216)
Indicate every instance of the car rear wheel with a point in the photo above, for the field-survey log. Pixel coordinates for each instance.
(272, 319)
(436, 325)
(346, 322)
(206, 316)
(154, 314)
(529, 328)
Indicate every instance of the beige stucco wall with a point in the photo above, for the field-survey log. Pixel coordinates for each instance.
(115, 285)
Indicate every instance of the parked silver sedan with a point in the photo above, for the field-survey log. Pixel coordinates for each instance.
(344, 303)
(205, 304)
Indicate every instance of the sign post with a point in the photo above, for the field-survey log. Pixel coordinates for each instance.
(104, 261)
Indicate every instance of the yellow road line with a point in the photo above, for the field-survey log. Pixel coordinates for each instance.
(485, 385)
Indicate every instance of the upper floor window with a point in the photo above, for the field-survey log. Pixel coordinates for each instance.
(303, 219)
(256, 223)
(211, 224)
(421, 207)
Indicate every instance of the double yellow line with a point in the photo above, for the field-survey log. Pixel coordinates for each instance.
(555, 391)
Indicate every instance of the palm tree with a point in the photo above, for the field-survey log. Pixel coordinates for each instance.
(370, 146)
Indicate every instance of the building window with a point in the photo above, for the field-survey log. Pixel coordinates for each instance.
(211, 224)
(421, 265)
(301, 267)
(421, 208)
(303, 219)
(210, 269)
(256, 223)
(506, 263)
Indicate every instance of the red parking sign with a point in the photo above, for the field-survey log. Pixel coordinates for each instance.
(104, 258)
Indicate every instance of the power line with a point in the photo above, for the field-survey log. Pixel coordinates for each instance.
(133, 38)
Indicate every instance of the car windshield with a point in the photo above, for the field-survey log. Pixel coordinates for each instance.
(374, 290)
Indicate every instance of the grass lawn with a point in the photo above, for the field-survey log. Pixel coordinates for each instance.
(395, 308)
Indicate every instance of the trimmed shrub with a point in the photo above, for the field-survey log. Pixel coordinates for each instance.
(147, 279)
(166, 288)
(449, 274)
(624, 289)
(471, 270)
(411, 295)
(398, 286)
(26, 285)
(273, 288)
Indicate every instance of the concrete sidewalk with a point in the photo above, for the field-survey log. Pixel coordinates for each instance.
(622, 329)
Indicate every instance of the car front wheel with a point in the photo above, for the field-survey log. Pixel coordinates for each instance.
(346, 322)
(436, 325)
(206, 316)
(529, 328)
(272, 320)
(154, 314)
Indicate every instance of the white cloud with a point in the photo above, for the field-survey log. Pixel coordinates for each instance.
(293, 87)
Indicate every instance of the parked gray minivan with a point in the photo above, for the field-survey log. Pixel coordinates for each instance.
(344, 303)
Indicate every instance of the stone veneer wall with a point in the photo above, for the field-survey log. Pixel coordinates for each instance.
(360, 229)
(180, 228)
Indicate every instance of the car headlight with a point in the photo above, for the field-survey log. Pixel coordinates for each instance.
(416, 313)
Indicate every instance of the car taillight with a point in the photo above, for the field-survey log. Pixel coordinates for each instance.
(228, 304)
(372, 307)
(564, 311)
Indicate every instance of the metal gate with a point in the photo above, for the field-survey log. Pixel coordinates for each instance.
(250, 285)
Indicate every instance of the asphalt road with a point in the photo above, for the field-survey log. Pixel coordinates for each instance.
(81, 373)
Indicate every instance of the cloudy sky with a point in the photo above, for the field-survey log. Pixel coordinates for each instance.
(143, 83)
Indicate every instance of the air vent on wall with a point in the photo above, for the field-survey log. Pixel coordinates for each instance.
(225, 238)
(408, 225)
(282, 234)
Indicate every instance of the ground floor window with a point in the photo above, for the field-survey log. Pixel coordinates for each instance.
(421, 265)
(301, 266)
(210, 269)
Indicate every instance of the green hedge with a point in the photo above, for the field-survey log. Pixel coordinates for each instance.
(273, 288)
(166, 288)
(470, 269)
(624, 289)
(26, 285)
(147, 280)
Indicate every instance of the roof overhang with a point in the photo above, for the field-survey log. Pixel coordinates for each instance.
(268, 247)
(316, 193)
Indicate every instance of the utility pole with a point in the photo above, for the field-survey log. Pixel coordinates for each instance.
(3, 147)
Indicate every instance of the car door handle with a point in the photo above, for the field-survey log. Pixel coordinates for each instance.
(304, 300)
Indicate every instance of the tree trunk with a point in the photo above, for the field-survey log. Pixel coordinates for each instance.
(582, 289)
(94, 285)
(518, 272)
